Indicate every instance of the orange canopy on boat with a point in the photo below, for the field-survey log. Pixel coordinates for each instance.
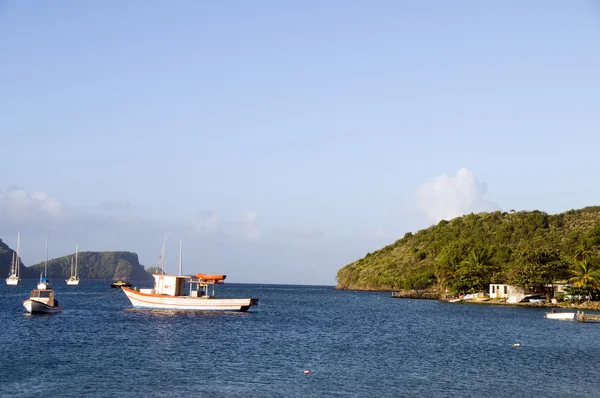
(211, 277)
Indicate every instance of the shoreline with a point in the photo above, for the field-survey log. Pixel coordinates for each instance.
(424, 295)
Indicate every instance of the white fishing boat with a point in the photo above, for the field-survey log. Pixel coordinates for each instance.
(169, 293)
(42, 301)
(13, 277)
(74, 279)
(44, 283)
(563, 316)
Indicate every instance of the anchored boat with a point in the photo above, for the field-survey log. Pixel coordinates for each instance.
(120, 283)
(563, 316)
(13, 277)
(169, 293)
(74, 279)
(42, 301)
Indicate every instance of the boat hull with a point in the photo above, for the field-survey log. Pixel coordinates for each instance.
(12, 281)
(36, 307)
(72, 282)
(563, 316)
(163, 302)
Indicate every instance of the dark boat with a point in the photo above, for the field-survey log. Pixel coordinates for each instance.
(120, 284)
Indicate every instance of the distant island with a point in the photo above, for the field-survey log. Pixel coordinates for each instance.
(525, 248)
(92, 265)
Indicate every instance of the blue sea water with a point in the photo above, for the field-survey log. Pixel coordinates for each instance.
(356, 344)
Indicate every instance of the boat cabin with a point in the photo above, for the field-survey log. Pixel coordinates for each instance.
(174, 285)
(170, 285)
(45, 296)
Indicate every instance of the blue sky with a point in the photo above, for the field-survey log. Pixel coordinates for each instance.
(281, 141)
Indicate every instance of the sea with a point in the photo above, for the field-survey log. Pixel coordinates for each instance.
(300, 341)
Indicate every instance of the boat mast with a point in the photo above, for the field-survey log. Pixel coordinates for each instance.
(46, 261)
(162, 259)
(162, 256)
(17, 262)
(76, 247)
(180, 243)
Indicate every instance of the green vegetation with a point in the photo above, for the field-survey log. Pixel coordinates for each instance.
(97, 265)
(528, 249)
(6, 254)
(91, 265)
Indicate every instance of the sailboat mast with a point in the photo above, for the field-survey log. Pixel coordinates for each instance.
(162, 256)
(46, 261)
(180, 243)
(17, 259)
(76, 247)
(162, 259)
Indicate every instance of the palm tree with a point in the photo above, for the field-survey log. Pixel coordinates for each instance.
(478, 266)
(583, 251)
(586, 276)
(478, 258)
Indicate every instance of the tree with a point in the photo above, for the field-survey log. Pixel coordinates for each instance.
(583, 251)
(474, 272)
(534, 268)
(586, 278)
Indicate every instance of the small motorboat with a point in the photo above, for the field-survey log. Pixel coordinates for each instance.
(455, 300)
(563, 316)
(533, 298)
(42, 301)
(120, 284)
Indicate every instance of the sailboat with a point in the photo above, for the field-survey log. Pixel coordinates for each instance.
(74, 279)
(44, 283)
(41, 300)
(13, 277)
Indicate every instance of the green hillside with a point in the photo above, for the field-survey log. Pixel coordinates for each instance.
(96, 265)
(527, 248)
(6, 254)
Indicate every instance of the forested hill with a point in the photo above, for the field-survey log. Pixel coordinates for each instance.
(6, 255)
(96, 265)
(526, 248)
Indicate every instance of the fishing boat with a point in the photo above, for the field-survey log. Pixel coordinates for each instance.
(44, 284)
(13, 276)
(563, 316)
(169, 293)
(42, 301)
(74, 279)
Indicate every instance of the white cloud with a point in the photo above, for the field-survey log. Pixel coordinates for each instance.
(18, 204)
(445, 197)
(206, 222)
(239, 247)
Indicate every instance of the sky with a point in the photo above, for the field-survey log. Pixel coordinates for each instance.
(280, 141)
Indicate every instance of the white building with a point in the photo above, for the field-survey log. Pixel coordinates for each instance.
(512, 294)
